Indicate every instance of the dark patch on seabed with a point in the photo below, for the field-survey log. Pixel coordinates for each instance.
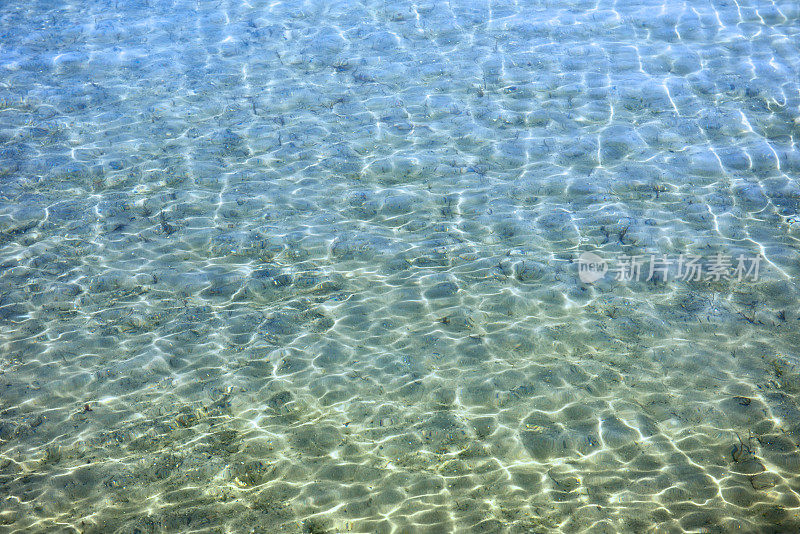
(317, 266)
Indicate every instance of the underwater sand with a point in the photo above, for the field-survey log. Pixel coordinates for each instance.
(312, 266)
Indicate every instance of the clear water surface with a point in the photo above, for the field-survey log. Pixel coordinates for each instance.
(311, 266)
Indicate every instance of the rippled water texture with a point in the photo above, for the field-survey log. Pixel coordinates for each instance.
(311, 266)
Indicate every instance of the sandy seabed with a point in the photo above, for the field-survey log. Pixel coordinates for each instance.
(312, 266)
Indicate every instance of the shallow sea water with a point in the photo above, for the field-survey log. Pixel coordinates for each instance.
(312, 266)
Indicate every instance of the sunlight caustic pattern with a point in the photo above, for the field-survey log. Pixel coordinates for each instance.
(297, 266)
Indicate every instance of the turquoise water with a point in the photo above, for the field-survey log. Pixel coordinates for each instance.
(316, 266)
